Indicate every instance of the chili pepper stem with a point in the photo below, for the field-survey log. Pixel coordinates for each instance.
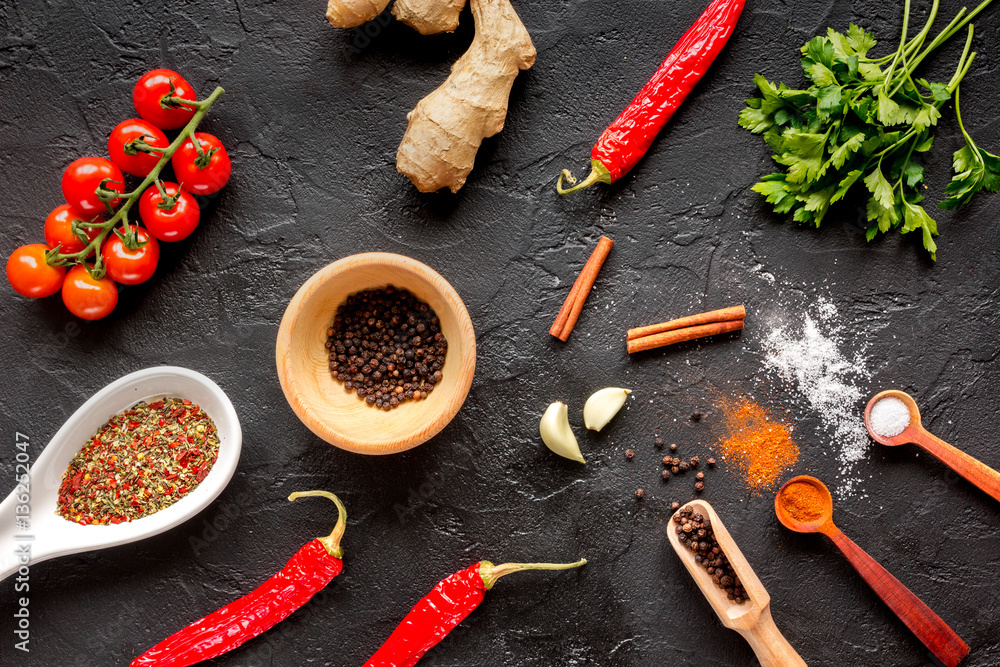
(598, 173)
(490, 572)
(332, 541)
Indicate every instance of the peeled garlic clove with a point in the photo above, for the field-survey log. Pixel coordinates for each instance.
(556, 433)
(602, 406)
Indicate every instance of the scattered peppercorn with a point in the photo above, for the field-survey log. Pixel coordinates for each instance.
(639, 493)
(700, 476)
(683, 465)
(695, 531)
(665, 475)
(699, 486)
(658, 442)
(629, 454)
(386, 345)
(674, 506)
(711, 462)
(695, 460)
(673, 446)
(675, 470)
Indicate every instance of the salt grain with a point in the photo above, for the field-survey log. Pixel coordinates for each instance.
(890, 417)
(826, 378)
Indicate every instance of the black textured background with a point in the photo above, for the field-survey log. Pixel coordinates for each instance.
(312, 119)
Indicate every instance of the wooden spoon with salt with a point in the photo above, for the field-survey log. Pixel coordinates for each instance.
(912, 432)
(752, 618)
(804, 504)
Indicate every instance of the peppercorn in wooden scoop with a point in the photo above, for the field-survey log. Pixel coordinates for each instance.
(893, 419)
(804, 505)
(750, 617)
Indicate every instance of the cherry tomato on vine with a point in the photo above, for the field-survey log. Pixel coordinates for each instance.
(202, 179)
(131, 267)
(59, 230)
(29, 275)
(169, 224)
(137, 163)
(87, 298)
(82, 178)
(149, 92)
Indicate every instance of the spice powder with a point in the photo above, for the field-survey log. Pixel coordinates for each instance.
(759, 448)
(803, 502)
(141, 461)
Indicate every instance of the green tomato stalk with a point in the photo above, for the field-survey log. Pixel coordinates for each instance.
(126, 231)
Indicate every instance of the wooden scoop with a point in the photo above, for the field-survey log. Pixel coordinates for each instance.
(752, 619)
(975, 471)
(942, 641)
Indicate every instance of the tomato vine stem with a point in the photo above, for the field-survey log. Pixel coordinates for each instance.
(56, 258)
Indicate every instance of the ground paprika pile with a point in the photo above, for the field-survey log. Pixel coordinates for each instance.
(757, 447)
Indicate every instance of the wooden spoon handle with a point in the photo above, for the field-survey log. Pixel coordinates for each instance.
(942, 641)
(770, 646)
(974, 470)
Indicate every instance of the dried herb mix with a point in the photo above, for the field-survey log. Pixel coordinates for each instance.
(386, 345)
(141, 461)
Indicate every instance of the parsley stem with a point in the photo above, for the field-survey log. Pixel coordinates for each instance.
(902, 41)
(968, 140)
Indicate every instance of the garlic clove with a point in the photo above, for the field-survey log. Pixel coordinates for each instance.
(557, 434)
(602, 406)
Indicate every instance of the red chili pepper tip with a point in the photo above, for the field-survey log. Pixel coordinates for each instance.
(490, 572)
(332, 541)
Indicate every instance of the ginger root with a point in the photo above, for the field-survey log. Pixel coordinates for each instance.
(447, 127)
(352, 13)
(429, 17)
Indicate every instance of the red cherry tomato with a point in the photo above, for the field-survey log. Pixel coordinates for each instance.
(59, 230)
(138, 163)
(202, 180)
(87, 298)
(131, 267)
(83, 176)
(29, 275)
(171, 224)
(152, 88)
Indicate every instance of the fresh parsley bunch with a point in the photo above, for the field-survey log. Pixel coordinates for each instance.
(866, 119)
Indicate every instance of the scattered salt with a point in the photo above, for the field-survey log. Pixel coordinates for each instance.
(890, 417)
(826, 378)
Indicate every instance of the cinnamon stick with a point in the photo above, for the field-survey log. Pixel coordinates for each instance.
(571, 308)
(680, 335)
(722, 315)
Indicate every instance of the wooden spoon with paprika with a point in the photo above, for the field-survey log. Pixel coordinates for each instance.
(804, 504)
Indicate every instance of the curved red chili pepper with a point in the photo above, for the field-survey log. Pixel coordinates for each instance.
(308, 572)
(628, 138)
(444, 607)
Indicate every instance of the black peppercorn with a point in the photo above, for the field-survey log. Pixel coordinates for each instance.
(665, 475)
(699, 476)
(711, 462)
(675, 470)
(674, 506)
(629, 454)
(699, 486)
(658, 442)
(372, 348)
(673, 446)
(639, 493)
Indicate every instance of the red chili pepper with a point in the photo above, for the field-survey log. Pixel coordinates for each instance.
(628, 138)
(444, 607)
(309, 571)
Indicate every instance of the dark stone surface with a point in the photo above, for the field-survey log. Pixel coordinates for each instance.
(312, 123)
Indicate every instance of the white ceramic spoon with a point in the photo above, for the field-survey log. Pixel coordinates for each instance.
(49, 535)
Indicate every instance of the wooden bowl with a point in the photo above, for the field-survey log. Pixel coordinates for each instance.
(323, 404)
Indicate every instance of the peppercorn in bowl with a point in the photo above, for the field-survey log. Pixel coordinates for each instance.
(376, 353)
